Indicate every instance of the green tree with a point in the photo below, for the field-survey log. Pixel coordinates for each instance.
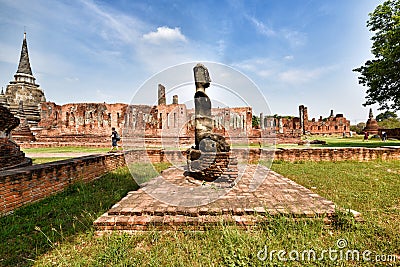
(382, 74)
(386, 115)
(389, 123)
(255, 121)
(359, 128)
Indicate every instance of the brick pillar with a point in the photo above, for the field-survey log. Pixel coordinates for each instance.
(301, 116)
(175, 99)
(161, 95)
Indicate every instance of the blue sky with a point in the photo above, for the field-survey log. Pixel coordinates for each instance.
(295, 51)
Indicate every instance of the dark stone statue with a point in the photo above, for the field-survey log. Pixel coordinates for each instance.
(209, 157)
(205, 140)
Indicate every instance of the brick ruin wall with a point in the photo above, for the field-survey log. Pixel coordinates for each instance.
(296, 126)
(391, 133)
(26, 185)
(89, 124)
(79, 122)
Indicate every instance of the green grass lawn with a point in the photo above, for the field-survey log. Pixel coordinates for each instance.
(65, 149)
(338, 141)
(45, 160)
(64, 235)
(38, 228)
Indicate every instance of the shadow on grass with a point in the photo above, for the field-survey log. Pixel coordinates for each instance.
(33, 230)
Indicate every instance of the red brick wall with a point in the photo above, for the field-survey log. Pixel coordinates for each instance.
(336, 154)
(290, 154)
(26, 185)
(80, 119)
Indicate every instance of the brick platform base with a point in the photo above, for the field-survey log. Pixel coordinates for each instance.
(171, 202)
(212, 166)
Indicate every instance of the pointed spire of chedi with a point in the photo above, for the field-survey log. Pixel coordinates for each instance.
(24, 72)
(24, 65)
(23, 88)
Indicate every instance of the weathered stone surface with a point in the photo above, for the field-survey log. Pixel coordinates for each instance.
(161, 95)
(212, 166)
(175, 100)
(201, 76)
(22, 133)
(10, 154)
(202, 103)
(209, 159)
(24, 66)
(7, 121)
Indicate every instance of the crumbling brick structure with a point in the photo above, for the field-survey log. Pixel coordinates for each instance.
(164, 123)
(297, 126)
(88, 122)
(10, 154)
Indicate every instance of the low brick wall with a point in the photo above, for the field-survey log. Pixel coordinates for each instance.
(336, 154)
(290, 154)
(29, 184)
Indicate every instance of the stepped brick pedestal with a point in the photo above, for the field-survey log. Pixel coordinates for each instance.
(241, 205)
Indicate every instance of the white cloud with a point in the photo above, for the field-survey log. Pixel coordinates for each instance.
(132, 36)
(165, 34)
(261, 27)
(265, 73)
(221, 46)
(280, 71)
(299, 75)
(262, 67)
(71, 79)
(295, 38)
(114, 25)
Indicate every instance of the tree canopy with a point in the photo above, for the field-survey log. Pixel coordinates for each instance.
(382, 74)
(386, 115)
(389, 123)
